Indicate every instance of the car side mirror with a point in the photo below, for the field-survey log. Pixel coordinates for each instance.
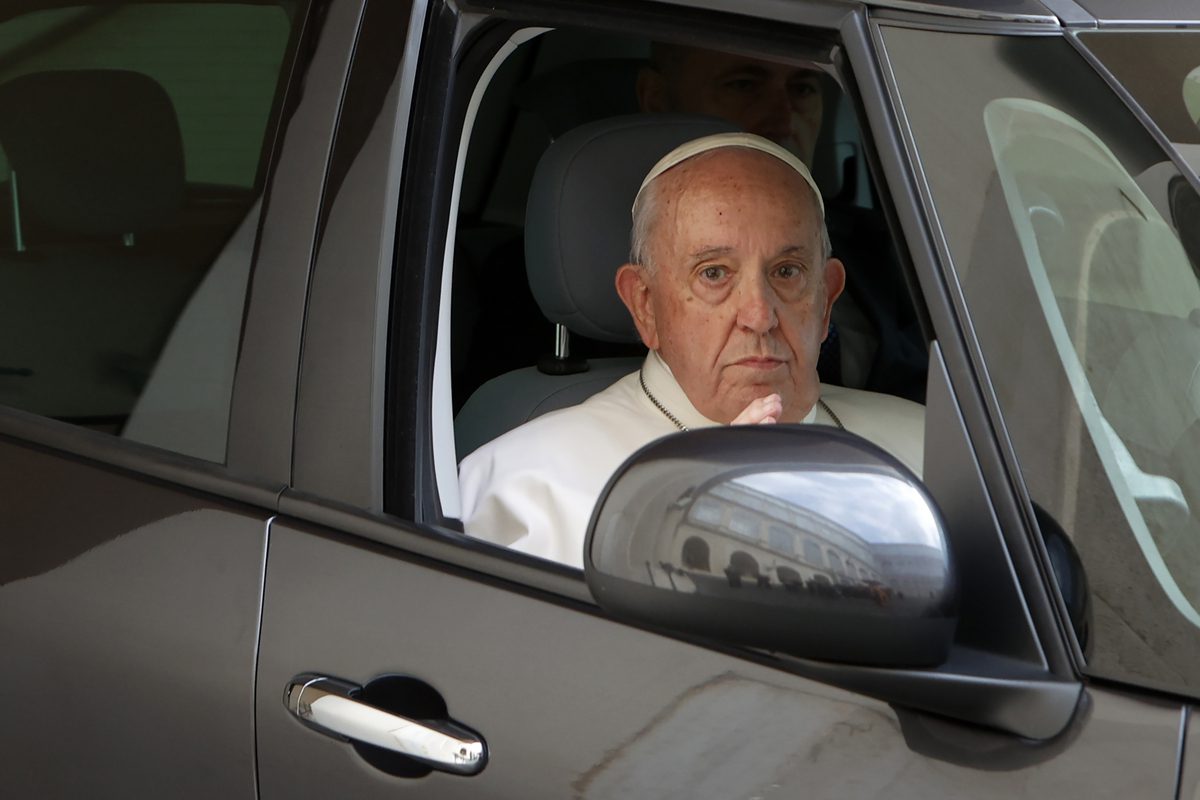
(805, 540)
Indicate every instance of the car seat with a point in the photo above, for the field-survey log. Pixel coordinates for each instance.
(577, 229)
(96, 168)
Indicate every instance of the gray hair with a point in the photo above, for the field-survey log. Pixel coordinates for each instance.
(645, 214)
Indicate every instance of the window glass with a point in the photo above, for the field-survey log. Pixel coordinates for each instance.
(1161, 70)
(1055, 204)
(218, 63)
(132, 137)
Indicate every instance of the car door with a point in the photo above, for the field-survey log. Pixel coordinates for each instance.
(162, 166)
(380, 609)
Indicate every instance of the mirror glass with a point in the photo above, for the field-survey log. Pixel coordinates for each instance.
(798, 538)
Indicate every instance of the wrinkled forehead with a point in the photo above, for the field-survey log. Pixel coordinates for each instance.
(731, 202)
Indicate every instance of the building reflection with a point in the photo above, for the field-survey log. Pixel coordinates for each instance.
(735, 536)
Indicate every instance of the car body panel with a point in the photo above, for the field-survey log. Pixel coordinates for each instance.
(571, 704)
(339, 426)
(262, 418)
(1189, 756)
(136, 610)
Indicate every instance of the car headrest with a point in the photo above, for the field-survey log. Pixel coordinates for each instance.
(577, 220)
(96, 152)
(582, 91)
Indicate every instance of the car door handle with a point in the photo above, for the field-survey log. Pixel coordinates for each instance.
(328, 705)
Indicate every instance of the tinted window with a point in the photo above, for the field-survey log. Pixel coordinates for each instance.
(1161, 70)
(132, 139)
(1054, 203)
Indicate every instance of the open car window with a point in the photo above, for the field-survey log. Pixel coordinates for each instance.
(508, 357)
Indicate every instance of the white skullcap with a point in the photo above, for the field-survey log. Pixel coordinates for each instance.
(718, 140)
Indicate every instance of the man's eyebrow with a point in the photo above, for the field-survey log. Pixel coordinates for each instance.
(705, 253)
(801, 251)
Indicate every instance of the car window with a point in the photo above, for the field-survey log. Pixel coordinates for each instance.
(563, 79)
(132, 140)
(510, 358)
(1084, 300)
(1161, 70)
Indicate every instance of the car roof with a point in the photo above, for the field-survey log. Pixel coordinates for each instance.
(1067, 12)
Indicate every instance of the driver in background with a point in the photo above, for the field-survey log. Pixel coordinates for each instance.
(780, 102)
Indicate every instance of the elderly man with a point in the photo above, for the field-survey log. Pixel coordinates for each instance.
(731, 287)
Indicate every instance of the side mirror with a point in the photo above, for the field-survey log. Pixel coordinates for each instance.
(805, 540)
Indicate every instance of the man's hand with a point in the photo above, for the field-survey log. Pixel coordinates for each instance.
(763, 411)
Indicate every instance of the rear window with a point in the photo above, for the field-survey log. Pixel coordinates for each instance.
(218, 62)
(132, 144)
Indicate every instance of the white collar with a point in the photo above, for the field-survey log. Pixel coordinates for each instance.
(662, 385)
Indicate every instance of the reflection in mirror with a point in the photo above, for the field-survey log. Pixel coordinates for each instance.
(802, 539)
(744, 530)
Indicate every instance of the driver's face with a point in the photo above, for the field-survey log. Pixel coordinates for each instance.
(777, 101)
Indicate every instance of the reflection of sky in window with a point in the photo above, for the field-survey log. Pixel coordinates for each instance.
(879, 508)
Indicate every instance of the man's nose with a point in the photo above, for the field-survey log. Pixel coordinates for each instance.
(756, 305)
(775, 112)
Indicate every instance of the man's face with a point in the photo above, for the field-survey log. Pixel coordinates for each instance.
(776, 101)
(739, 298)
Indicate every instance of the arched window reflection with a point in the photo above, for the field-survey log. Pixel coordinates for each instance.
(790, 578)
(696, 554)
(742, 569)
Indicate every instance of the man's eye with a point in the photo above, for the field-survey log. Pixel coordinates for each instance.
(742, 85)
(806, 89)
(788, 271)
(713, 274)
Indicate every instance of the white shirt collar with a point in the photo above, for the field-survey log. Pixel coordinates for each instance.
(666, 390)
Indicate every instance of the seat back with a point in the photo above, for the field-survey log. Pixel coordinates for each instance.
(577, 229)
(96, 163)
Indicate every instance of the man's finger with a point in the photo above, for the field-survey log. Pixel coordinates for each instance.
(764, 410)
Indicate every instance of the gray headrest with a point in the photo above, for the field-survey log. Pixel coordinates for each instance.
(96, 152)
(577, 221)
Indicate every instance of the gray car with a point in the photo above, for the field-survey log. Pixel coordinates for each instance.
(268, 271)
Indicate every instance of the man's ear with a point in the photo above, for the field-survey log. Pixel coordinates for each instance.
(651, 90)
(635, 294)
(835, 282)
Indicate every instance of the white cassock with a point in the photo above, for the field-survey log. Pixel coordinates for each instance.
(533, 488)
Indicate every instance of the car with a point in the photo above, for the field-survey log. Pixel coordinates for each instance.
(263, 284)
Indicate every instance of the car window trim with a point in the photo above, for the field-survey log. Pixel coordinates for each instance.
(977, 403)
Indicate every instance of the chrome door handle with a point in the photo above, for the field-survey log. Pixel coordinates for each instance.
(327, 705)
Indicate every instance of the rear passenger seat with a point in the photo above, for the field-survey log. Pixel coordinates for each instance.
(97, 167)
